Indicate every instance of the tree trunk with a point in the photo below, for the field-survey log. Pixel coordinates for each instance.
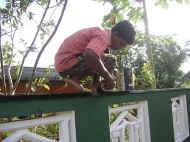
(2, 66)
(149, 48)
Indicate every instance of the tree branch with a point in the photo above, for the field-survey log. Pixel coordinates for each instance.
(44, 46)
(2, 66)
(31, 45)
(11, 59)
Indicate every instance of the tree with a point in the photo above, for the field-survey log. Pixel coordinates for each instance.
(167, 3)
(146, 64)
(11, 18)
(168, 58)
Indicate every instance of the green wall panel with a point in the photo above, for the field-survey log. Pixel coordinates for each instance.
(91, 112)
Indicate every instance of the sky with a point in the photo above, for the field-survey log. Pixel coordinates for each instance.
(80, 14)
(172, 21)
(2, 3)
(77, 16)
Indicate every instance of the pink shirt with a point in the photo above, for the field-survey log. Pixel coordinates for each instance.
(95, 39)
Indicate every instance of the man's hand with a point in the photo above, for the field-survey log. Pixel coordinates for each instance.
(97, 66)
(108, 82)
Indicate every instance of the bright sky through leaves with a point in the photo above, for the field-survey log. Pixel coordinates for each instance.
(172, 21)
(2, 3)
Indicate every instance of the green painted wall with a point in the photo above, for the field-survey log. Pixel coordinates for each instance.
(91, 112)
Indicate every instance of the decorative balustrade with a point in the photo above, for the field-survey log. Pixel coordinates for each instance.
(65, 122)
(180, 118)
(137, 126)
(135, 116)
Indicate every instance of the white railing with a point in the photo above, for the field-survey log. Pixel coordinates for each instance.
(180, 118)
(66, 121)
(137, 126)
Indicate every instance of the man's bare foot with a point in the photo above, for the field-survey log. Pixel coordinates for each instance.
(76, 85)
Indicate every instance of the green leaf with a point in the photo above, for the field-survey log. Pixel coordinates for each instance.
(46, 86)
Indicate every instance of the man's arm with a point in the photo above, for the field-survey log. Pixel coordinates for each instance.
(96, 64)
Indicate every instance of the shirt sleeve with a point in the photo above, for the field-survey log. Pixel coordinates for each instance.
(98, 45)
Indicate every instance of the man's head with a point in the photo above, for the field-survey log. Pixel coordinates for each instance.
(122, 34)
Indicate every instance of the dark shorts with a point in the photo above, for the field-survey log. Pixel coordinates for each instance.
(81, 69)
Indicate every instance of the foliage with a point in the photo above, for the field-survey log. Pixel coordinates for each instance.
(185, 81)
(121, 9)
(15, 8)
(50, 131)
(7, 53)
(185, 84)
(168, 57)
(12, 17)
(167, 3)
(132, 10)
(167, 63)
(42, 82)
(165, 51)
(146, 80)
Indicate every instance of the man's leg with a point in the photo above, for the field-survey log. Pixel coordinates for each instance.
(110, 62)
(111, 65)
(74, 75)
(81, 70)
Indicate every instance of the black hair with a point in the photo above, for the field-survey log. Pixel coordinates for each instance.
(125, 31)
